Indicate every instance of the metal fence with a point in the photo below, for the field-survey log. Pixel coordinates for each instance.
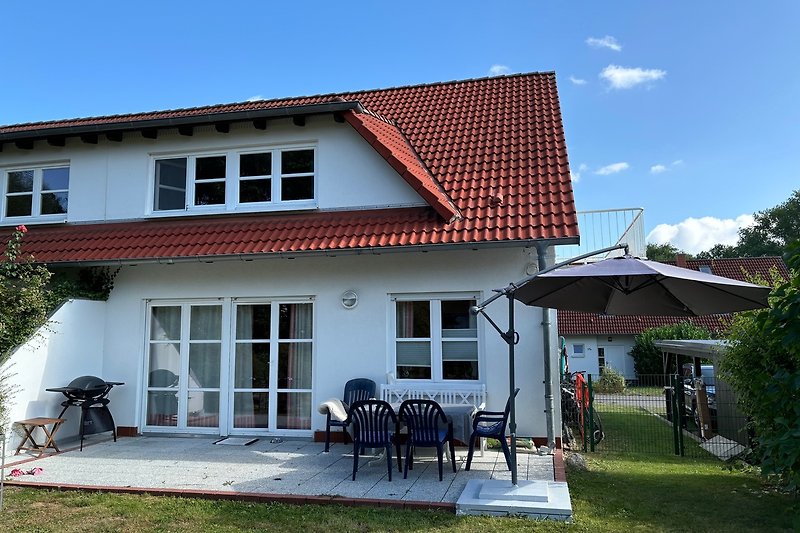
(659, 414)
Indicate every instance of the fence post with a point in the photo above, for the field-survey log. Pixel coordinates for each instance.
(676, 417)
(591, 413)
(681, 414)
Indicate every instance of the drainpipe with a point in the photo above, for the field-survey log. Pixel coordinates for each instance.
(549, 403)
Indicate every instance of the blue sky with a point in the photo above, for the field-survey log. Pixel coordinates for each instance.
(687, 109)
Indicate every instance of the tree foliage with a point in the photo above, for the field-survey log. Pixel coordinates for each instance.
(647, 357)
(774, 229)
(763, 365)
(663, 252)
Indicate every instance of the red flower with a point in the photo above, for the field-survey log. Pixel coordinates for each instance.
(22, 228)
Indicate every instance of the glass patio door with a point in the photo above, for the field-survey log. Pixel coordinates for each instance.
(272, 367)
(184, 362)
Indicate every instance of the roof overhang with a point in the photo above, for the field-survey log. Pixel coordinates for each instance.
(175, 122)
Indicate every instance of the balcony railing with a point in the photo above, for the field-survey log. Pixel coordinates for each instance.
(607, 227)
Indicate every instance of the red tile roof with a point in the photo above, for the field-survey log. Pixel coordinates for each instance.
(741, 268)
(490, 149)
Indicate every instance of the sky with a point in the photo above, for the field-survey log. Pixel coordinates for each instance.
(687, 109)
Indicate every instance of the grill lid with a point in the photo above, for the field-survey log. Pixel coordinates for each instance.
(88, 383)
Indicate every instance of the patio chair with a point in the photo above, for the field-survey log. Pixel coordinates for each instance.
(486, 424)
(428, 426)
(354, 390)
(374, 426)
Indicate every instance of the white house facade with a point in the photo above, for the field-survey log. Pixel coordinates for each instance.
(267, 252)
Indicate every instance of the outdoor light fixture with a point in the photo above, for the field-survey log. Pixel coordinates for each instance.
(349, 299)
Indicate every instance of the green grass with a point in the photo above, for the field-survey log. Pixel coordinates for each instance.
(644, 391)
(622, 491)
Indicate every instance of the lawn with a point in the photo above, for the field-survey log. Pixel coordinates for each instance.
(622, 491)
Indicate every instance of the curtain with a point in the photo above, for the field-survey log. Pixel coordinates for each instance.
(298, 364)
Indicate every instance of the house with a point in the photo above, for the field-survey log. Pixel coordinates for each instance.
(596, 341)
(269, 251)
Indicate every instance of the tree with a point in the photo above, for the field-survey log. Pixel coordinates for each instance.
(762, 364)
(662, 252)
(647, 358)
(774, 229)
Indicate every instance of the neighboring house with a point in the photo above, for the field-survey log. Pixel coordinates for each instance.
(269, 251)
(596, 341)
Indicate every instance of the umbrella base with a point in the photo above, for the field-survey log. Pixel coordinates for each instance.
(531, 499)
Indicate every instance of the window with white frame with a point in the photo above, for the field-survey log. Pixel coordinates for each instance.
(435, 339)
(36, 192)
(577, 350)
(235, 180)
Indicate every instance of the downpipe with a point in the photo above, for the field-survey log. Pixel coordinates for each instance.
(549, 401)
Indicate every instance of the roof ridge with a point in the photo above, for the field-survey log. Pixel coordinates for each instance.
(332, 95)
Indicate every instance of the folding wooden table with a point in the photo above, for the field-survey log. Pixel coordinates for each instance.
(29, 427)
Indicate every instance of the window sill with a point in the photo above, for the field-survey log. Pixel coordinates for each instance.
(240, 209)
(32, 221)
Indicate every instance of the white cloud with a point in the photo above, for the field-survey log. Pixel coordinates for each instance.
(604, 42)
(499, 70)
(677, 162)
(625, 78)
(695, 235)
(658, 169)
(576, 174)
(613, 168)
(256, 98)
(577, 81)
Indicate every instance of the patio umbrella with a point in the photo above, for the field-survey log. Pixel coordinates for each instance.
(618, 286)
(631, 286)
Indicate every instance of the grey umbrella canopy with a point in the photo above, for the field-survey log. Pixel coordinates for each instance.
(631, 286)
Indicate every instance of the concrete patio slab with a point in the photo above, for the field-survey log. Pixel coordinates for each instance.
(289, 470)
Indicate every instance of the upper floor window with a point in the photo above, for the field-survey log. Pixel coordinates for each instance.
(436, 339)
(36, 192)
(235, 179)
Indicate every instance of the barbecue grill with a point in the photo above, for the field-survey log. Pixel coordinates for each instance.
(90, 393)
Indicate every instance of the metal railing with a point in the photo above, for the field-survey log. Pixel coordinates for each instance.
(606, 227)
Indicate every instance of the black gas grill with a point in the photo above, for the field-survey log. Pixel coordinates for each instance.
(90, 393)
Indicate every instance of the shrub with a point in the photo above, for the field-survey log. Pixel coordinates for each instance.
(609, 382)
(762, 364)
(647, 357)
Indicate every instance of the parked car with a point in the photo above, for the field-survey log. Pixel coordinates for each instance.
(690, 393)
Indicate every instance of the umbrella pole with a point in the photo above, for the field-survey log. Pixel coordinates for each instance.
(510, 338)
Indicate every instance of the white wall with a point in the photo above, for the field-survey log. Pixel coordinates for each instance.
(112, 181)
(589, 363)
(348, 343)
(68, 346)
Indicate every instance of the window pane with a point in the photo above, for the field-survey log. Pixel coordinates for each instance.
(251, 370)
(253, 321)
(414, 354)
(299, 188)
(204, 363)
(209, 193)
(255, 191)
(165, 363)
(55, 179)
(54, 203)
(255, 164)
(460, 351)
(413, 320)
(210, 168)
(203, 409)
(457, 321)
(250, 409)
(295, 321)
(414, 372)
(297, 161)
(19, 206)
(20, 181)
(162, 408)
(294, 410)
(170, 184)
(206, 323)
(165, 323)
(294, 365)
(460, 370)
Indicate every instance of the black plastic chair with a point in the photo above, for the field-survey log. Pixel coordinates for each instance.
(374, 426)
(355, 390)
(428, 426)
(491, 424)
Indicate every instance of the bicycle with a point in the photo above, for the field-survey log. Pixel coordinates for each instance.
(575, 407)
